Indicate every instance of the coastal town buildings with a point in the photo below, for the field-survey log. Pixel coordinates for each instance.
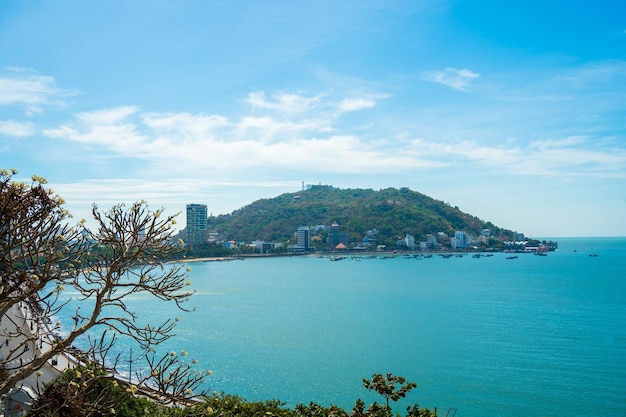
(431, 242)
(320, 237)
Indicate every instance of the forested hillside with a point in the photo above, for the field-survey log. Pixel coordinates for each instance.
(393, 212)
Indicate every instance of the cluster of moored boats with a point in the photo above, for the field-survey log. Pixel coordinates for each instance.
(406, 256)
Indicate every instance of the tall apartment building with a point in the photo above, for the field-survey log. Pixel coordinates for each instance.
(333, 236)
(409, 241)
(460, 240)
(197, 231)
(304, 238)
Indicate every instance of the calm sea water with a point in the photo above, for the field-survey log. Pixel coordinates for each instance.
(532, 336)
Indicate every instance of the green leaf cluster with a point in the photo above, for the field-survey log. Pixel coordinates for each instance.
(223, 405)
(56, 401)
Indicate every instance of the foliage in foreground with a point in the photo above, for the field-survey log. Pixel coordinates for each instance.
(233, 406)
(64, 397)
(44, 259)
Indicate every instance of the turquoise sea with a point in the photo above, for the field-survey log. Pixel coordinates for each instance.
(489, 336)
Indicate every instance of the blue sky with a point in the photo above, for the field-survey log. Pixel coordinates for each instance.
(513, 111)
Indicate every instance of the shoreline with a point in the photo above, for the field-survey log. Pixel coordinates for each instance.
(343, 253)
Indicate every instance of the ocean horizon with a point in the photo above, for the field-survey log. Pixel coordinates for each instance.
(488, 336)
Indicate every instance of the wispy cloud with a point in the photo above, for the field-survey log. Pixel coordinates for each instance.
(16, 129)
(559, 158)
(584, 83)
(353, 104)
(290, 103)
(184, 123)
(107, 116)
(204, 142)
(316, 142)
(172, 193)
(108, 128)
(452, 77)
(284, 102)
(27, 88)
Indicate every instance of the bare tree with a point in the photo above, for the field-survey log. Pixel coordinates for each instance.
(42, 256)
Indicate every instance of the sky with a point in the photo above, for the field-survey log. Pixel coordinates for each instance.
(515, 112)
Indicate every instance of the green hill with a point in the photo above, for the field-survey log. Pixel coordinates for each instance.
(393, 212)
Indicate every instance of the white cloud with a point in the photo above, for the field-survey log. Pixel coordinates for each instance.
(353, 104)
(107, 116)
(25, 87)
(184, 122)
(452, 77)
(284, 102)
(207, 142)
(560, 158)
(117, 190)
(267, 128)
(543, 145)
(108, 127)
(16, 129)
(315, 141)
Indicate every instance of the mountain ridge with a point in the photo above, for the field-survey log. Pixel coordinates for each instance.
(392, 212)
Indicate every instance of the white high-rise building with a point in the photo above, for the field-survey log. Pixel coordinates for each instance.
(304, 237)
(197, 229)
(460, 240)
(409, 241)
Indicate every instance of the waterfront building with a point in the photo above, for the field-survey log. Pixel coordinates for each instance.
(230, 244)
(460, 240)
(409, 241)
(333, 235)
(430, 243)
(259, 246)
(303, 238)
(343, 238)
(369, 242)
(335, 238)
(196, 230)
